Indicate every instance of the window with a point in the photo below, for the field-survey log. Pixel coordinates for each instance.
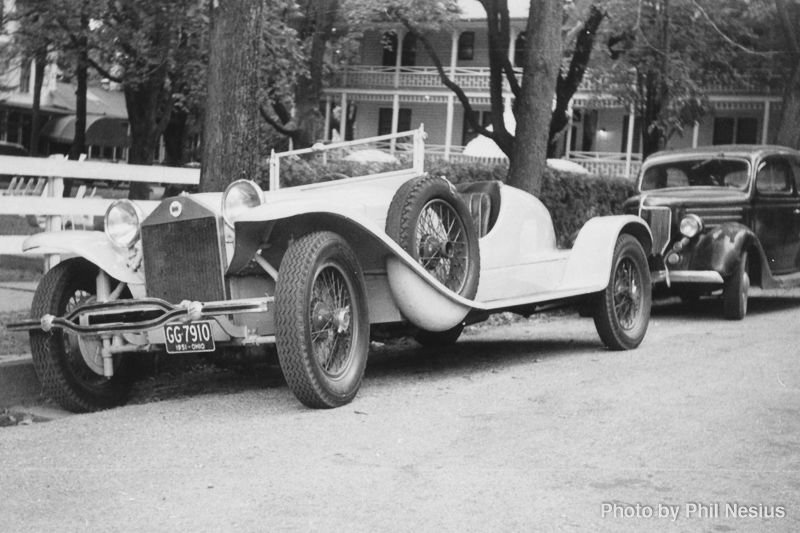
(466, 46)
(389, 41)
(774, 177)
(385, 120)
(409, 56)
(14, 123)
(796, 170)
(735, 130)
(25, 77)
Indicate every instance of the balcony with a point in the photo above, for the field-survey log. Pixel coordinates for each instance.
(477, 79)
(375, 77)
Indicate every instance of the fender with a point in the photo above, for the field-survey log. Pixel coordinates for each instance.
(595, 246)
(420, 297)
(93, 246)
(719, 249)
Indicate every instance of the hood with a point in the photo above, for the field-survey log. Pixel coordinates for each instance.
(689, 197)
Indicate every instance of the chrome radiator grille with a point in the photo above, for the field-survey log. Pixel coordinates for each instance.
(660, 221)
(182, 260)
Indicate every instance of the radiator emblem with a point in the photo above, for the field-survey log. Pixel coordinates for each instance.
(175, 209)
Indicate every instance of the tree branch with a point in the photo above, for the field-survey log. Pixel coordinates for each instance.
(446, 81)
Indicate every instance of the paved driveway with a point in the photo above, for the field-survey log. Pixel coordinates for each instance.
(526, 427)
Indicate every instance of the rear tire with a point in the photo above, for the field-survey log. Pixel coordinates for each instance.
(735, 291)
(322, 322)
(68, 366)
(439, 339)
(622, 309)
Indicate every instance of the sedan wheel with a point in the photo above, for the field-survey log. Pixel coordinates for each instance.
(736, 290)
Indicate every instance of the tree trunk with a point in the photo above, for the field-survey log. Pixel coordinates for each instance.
(149, 104)
(308, 92)
(231, 135)
(36, 115)
(174, 135)
(81, 77)
(789, 127)
(78, 146)
(541, 66)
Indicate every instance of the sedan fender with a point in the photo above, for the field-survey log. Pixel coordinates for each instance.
(589, 262)
(719, 250)
(93, 246)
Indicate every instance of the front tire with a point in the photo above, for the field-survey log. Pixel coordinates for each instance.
(69, 367)
(322, 322)
(735, 291)
(622, 309)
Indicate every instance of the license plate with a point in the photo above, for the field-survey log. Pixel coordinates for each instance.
(188, 338)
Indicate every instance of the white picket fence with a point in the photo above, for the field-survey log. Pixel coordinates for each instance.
(38, 186)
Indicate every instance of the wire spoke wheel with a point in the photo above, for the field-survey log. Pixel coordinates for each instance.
(322, 323)
(331, 331)
(622, 310)
(442, 244)
(70, 366)
(432, 223)
(627, 294)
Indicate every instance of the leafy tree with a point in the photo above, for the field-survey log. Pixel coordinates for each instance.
(32, 42)
(153, 48)
(533, 93)
(579, 44)
(665, 53)
(310, 30)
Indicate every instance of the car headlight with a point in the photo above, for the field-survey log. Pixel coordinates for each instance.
(123, 220)
(691, 225)
(240, 196)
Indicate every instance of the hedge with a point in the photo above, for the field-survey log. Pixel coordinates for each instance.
(571, 198)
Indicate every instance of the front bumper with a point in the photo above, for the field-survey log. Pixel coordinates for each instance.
(686, 276)
(146, 314)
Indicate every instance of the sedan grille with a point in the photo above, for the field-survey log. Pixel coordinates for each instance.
(660, 221)
(182, 260)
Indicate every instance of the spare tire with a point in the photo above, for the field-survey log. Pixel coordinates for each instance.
(430, 221)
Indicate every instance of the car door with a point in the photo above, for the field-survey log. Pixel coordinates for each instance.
(795, 164)
(776, 212)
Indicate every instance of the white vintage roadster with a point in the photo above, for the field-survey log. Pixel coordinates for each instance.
(312, 268)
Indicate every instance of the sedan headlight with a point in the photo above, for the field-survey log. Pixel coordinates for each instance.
(691, 225)
(240, 196)
(123, 220)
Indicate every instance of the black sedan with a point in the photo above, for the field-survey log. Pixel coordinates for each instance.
(723, 217)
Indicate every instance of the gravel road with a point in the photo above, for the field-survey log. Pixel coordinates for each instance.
(531, 426)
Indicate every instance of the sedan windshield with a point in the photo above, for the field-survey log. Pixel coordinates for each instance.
(708, 172)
